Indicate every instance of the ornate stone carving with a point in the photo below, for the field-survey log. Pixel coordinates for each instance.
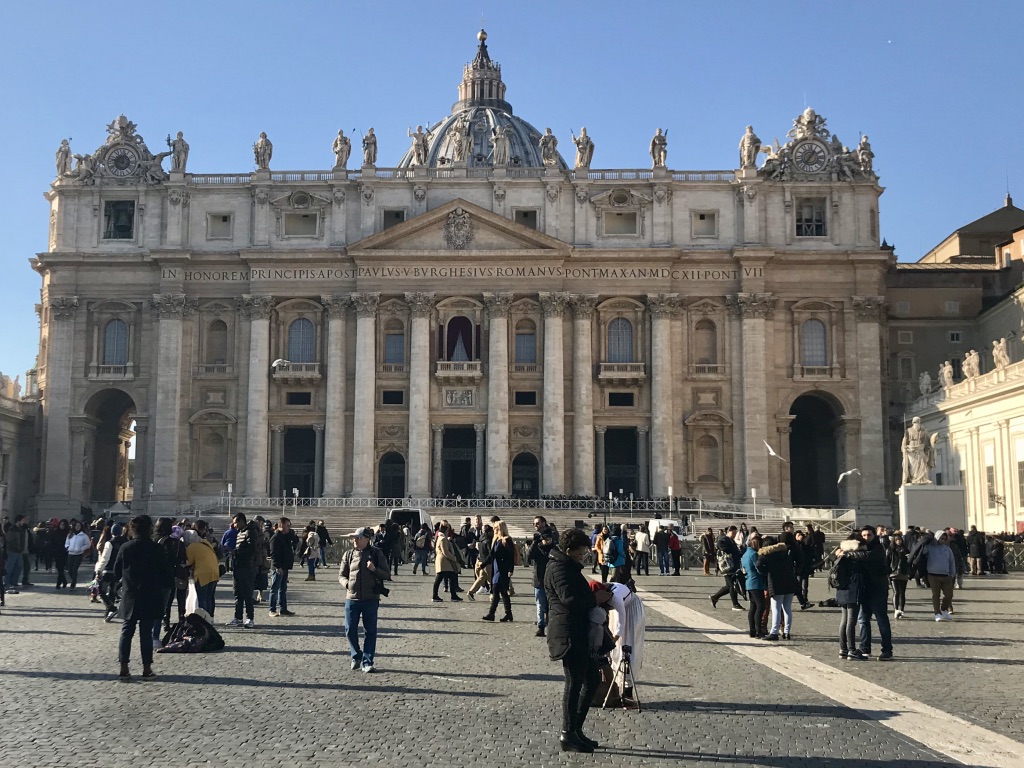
(524, 431)
(336, 305)
(662, 194)
(256, 307)
(458, 230)
(420, 304)
(420, 193)
(52, 240)
(582, 195)
(659, 149)
(971, 365)
(583, 304)
(64, 158)
(809, 125)
(553, 304)
(549, 149)
(391, 432)
(749, 192)
(366, 304)
(918, 454)
(173, 305)
(752, 305)
(262, 151)
(176, 196)
(261, 195)
(501, 147)
(338, 196)
(499, 193)
(868, 307)
(63, 307)
(663, 304)
(498, 304)
(420, 145)
(367, 193)
(750, 146)
(342, 148)
(480, 428)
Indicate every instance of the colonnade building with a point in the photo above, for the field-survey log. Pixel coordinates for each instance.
(482, 319)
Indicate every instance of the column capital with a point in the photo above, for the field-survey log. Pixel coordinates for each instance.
(498, 304)
(277, 428)
(583, 304)
(318, 427)
(553, 304)
(255, 307)
(600, 429)
(480, 428)
(172, 306)
(63, 307)
(663, 304)
(336, 305)
(643, 429)
(868, 308)
(751, 305)
(420, 304)
(366, 304)
(437, 428)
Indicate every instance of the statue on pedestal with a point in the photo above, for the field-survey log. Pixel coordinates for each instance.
(501, 147)
(750, 145)
(918, 454)
(263, 150)
(1000, 357)
(946, 375)
(549, 148)
(342, 148)
(179, 152)
(659, 148)
(866, 156)
(64, 158)
(369, 148)
(972, 365)
(584, 149)
(420, 145)
(925, 382)
(459, 135)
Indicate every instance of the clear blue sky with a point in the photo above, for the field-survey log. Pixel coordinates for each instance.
(936, 85)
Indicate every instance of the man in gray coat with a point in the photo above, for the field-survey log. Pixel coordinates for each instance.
(364, 569)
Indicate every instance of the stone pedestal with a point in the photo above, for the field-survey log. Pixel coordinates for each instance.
(930, 506)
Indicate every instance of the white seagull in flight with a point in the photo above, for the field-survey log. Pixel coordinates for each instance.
(846, 474)
(771, 451)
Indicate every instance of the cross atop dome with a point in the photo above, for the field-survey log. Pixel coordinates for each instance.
(481, 84)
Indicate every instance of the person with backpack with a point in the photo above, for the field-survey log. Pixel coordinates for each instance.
(421, 546)
(243, 577)
(728, 557)
(105, 570)
(615, 556)
(170, 537)
(364, 569)
(845, 579)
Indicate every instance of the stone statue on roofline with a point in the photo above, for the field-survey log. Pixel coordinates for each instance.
(659, 149)
(750, 146)
(179, 152)
(370, 147)
(549, 148)
(342, 148)
(1000, 355)
(584, 149)
(262, 151)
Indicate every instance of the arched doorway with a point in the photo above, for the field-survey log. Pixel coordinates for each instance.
(814, 452)
(525, 476)
(108, 448)
(391, 476)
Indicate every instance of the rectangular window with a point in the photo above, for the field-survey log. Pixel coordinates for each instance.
(619, 223)
(392, 397)
(394, 348)
(526, 217)
(938, 478)
(810, 218)
(526, 347)
(300, 224)
(963, 478)
(218, 226)
(299, 398)
(958, 370)
(990, 485)
(393, 216)
(954, 337)
(704, 223)
(903, 308)
(119, 220)
(905, 337)
(952, 307)
(905, 369)
(528, 397)
(620, 399)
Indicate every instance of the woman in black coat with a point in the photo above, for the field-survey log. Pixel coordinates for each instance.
(570, 599)
(774, 561)
(145, 575)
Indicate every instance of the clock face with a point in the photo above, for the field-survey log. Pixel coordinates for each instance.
(122, 161)
(809, 156)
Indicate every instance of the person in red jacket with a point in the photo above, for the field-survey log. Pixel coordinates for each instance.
(675, 549)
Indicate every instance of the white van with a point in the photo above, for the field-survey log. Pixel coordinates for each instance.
(653, 525)
(414, 517)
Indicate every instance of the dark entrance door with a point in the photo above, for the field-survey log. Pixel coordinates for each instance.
(391, 478)
(525, 476)
(812, 448)
(621, 469)
(299, 460)
(458, 459)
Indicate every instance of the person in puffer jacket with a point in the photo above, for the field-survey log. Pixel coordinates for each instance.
(773, 560)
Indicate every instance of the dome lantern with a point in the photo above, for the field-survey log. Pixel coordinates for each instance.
(481, 84)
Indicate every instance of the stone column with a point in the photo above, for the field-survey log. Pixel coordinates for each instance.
(364, 409)
(420, 305)
(169, 309)
(553, 447)
(478, 464)
(56, 493)
(334, 429)
(754, 309)
(318, 462)
(497, 474)
(662, 307)
(583, 395)
(258, 309)
(643, 467)
(599, 444)
(140, 480)
(437, 464)
(276, 457)
(874, 506)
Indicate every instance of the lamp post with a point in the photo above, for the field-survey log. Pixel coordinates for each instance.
(753, 495)
(295, 504)
(229, 501)
(670, 500)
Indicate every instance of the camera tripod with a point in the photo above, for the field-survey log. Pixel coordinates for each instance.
(624, 671)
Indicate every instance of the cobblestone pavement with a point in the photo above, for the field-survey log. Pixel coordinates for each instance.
(453, 690)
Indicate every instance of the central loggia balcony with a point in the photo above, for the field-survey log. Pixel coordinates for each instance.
(297, 372)
(459, 371)
(622, 372)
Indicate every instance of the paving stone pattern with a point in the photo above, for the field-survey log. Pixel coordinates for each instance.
(453, 690)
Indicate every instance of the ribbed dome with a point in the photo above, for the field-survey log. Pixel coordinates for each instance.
(481, 109)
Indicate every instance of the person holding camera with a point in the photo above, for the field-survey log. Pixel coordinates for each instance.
(364, 569)
(537, 558)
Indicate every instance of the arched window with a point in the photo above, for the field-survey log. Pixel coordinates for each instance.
(620, 341)
(301, 341)
(214, 457)
(707, 459)
(813, 349)
(115, 343)
(459, 341)
(705, 343)
(526, 342)
(217, 343)
(394, 342)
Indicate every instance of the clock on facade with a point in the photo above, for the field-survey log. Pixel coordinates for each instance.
(809, 156)
(122, 161)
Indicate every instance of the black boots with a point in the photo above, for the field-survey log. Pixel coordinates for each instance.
(570, 741)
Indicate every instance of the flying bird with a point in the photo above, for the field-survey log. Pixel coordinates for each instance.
(771, 451)
(279, 361)
(846, 474)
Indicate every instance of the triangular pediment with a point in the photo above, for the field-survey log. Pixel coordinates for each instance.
(459, 227)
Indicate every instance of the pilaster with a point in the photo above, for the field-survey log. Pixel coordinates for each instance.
(663, 307)
(553, 472)
(583, 394)
(363, 417)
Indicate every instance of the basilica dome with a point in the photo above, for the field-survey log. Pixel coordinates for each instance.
(480, 111)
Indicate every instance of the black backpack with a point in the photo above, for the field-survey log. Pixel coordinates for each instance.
(840, 572)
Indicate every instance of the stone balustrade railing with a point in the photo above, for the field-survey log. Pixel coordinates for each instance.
(989, 380)
(357, 174)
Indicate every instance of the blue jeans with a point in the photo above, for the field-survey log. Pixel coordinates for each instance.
(782, 613)
(663, 562)
(419, 557)
(124, 645)
(542, 605)
(311, 563)
(205, 596)
(323, 555)
(367, 609)
(13, 569)
(278, 590)
(875, 604)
